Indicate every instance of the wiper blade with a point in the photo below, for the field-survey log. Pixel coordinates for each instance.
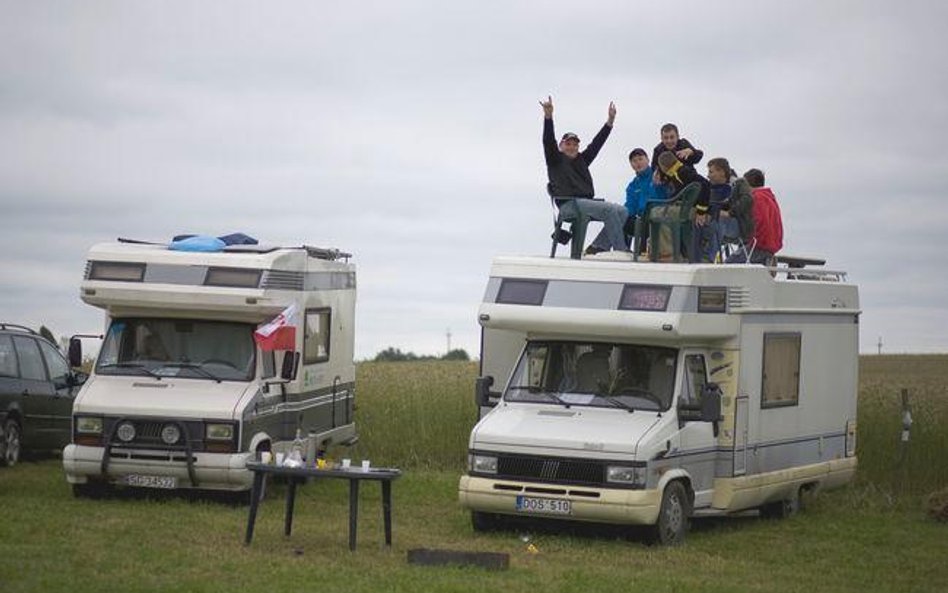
(534, 389)
(130, 365)
(617, 403)
(195, 367)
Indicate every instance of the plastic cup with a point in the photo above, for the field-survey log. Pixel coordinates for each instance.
(279, 458)
(346, 463)
(365, 465)
(266, 457)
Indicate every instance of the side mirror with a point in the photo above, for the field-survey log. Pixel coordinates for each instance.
(482, 387)
(711, 403)
(75, 352)
(291, 362)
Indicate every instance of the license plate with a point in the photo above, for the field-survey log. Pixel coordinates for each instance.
(151, 481)
(545, 506)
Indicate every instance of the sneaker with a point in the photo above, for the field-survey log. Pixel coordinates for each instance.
(593, 250)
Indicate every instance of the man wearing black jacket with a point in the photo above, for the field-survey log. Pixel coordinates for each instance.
(671, 142)
(571, 184)
(676, 176)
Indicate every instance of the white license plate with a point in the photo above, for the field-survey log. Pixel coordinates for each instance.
(151, 481)
(545, 506)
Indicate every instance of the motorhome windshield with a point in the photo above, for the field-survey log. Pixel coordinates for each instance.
(213, 350)
(594, 374)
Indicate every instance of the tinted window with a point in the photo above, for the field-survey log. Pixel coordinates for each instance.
(7, 358)
(521, 292)
(58, 368)
(31, 363)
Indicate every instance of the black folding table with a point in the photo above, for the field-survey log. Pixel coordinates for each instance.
(299, 475)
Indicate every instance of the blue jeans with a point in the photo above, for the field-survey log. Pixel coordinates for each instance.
(610, 214)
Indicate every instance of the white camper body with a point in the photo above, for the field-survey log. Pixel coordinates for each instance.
(180, 395)
(605, 375)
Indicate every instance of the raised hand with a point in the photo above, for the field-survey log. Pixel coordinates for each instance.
(547, 107)
(612, 113)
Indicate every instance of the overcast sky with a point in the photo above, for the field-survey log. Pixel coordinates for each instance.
(408, 133)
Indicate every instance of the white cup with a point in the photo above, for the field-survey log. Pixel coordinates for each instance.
(346, 463)
(279, 458)
(365, 465)
(266, 457)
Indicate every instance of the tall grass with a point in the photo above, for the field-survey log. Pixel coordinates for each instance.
(415, 414)
(419, 415)
(885, 462)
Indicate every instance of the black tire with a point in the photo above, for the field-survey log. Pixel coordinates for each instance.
(12, 444)
(484, 522)
(672, 523)
(781, 509)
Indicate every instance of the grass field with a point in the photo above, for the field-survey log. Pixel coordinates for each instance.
(872, 536)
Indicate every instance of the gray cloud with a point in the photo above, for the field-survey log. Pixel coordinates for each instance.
(408, 133)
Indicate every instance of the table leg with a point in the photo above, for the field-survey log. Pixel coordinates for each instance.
(353, 512)
(258, 478)
(387, 510)
(290, 501)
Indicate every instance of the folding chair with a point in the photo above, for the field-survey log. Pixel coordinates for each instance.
(659, 213)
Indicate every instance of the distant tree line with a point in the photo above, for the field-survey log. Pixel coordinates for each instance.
(392, 354)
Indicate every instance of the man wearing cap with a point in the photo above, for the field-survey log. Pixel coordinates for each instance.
(640, 191)
(571, 184)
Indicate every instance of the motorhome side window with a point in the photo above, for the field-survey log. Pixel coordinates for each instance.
(695, 379)
(184, 348)
(316, 338)
(780, 385)
(594, 374)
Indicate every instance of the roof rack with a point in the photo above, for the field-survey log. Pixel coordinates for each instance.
(15, 326)
(795, 268)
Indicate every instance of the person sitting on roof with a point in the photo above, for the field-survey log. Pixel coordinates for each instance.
(671, 142)
(768, 223)
(640, 191)
(571, 184)
(677, 177)
(731, 204)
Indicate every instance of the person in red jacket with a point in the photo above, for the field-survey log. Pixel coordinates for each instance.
(768, 225)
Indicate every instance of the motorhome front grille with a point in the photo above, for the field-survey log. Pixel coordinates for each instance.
(551, 469)
(282, 280)
(148, 433)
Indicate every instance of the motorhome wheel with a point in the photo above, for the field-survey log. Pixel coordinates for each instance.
(672, 524)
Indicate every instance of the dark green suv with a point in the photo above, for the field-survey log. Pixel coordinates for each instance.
(37, 389)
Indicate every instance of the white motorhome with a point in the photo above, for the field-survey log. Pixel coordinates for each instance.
(180, 395)
(646, 393)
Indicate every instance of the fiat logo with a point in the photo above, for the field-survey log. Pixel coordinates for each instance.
(126, 432)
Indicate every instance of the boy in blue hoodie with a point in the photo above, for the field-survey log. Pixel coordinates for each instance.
(640, 191)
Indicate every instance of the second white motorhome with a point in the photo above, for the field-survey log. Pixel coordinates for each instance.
(180, 395)
(643, 393)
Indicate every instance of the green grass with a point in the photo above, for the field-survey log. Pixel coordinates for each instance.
(872, 536)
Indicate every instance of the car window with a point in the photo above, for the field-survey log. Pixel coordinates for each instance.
(7, 358)
(31, 363)
(57, 365)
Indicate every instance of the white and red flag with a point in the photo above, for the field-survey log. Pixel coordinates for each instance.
(280, 332)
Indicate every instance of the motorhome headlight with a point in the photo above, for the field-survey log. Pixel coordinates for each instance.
(484, 464)
(170, 434)
(125, 432)
(624, 474)
(89, 424)
(219, 431)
